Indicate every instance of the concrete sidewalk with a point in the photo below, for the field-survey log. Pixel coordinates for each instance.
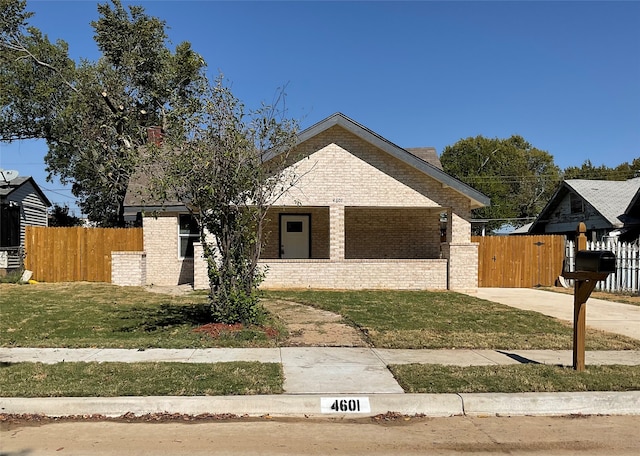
(322, 370)
(315, 375)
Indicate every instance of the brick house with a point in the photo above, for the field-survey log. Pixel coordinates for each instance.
(365, 214)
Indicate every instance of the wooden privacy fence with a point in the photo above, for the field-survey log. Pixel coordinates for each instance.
(519, 261)
(76, 254)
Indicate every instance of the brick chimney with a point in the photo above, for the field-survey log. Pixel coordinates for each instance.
(154, 135)
(427, 154)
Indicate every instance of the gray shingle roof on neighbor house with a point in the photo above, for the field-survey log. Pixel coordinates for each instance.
(610, 198)
(6, 188)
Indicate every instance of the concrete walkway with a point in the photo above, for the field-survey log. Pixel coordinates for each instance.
(604, 315)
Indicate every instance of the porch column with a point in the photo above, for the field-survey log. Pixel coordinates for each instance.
(461, 253)
(336, 233)
(458, 229)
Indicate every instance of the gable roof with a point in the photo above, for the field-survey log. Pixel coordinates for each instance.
(432, 170)
(424, 159)
(610, 198)
(7, 188)
(613, 200)
(633, 209)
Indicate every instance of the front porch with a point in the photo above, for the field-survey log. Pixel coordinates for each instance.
(340, 247)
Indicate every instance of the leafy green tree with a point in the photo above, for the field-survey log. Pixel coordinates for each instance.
(94, 116)
(228, 165)
(59, 216)
(518, 177)
(35, 76)
(624, 171)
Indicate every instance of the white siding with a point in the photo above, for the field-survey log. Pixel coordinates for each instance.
(33, 212)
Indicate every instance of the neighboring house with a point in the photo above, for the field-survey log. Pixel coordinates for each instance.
(608, 209)
(365, 213)
(22, 203)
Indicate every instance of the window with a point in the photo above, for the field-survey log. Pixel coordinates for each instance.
(577, 205)
(294, 227)
(9, 225)
(188, 234)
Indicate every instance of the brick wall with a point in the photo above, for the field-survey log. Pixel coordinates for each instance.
(391, 233)
(129, 269)
(354, 274)
(164, 266)
(200, 271)
(341, 169)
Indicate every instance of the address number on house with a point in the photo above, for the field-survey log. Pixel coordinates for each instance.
(345, 405)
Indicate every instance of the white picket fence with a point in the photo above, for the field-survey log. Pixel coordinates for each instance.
(627, 275)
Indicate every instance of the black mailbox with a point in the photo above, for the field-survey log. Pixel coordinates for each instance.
(595, 261)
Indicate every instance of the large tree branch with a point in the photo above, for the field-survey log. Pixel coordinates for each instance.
(17, 46)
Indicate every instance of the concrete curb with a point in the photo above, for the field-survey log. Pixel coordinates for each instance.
(436, 405)
(581, 403)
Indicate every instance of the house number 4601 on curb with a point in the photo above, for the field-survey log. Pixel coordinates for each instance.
(345, 405)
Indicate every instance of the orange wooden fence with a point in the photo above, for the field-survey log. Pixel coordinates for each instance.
(519, 261)
(76, 254)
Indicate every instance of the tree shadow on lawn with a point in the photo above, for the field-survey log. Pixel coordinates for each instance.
(164, 316)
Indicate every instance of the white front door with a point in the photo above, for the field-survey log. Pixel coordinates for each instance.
(294, 236)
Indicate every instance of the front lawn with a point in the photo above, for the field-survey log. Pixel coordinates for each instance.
(416, 319)
(77, 315)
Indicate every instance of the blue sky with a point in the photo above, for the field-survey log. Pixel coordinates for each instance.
(564, 75)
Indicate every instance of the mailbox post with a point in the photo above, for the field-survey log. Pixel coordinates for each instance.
(590, 267)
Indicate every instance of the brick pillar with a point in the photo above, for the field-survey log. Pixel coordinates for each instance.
(336, 233)
(200, 270)
(462, 268)
(129, 269)
(462, 255)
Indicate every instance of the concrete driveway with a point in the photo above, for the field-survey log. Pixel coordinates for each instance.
(605, 315)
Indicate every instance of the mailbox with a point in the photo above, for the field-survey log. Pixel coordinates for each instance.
(595, 261)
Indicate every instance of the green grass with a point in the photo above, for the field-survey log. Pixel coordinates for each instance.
(139, 379)
(413, 319)
(101, 315)
(432, 378)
